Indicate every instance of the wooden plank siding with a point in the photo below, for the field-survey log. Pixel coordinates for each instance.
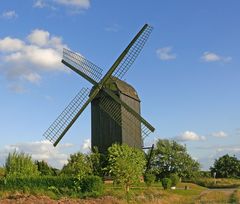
(106, 131)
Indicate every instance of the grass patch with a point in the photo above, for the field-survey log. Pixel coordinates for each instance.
(218, 183)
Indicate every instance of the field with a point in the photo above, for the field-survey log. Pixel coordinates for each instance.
(138, 194)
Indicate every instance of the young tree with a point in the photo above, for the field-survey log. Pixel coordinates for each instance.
(77, 166)
(226, 167)
(20, 164)
(126, 164)
(98, 162)
(44, 168)
(171, 157)
(2, 172)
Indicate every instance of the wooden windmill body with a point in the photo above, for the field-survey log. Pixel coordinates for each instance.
(106, 129)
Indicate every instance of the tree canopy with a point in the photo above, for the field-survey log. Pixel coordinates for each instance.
(126, 164)
(78, 166)
(226, 167)
(171, 157)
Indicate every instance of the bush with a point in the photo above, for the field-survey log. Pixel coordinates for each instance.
(92, 185)
(2, 172)
(20, 164)
(43, 182)
(166, 183)
(149, 178)
(174, 179)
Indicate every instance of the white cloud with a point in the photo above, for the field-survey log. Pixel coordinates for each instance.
(26, 60)
(189, 136)
(39, 4)
(9, 14)
(219, 134)
(9, 44)
(165, 53)
(86, 145)
(39, 37)
(39, 150)
(84, 4)
(213, 57)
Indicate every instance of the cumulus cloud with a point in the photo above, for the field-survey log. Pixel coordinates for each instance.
(213, 57)
(9, 14)
(220, 134)
(39, 150)
(189, 136)
(86, 145)
(25, 60)
(165, 53)
(39, 4)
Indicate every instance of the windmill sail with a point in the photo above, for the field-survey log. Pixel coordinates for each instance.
(123, 117)
(82, 66)
(133, 52)
(58, 127)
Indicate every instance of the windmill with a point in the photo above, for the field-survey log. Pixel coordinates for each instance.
(115, 105)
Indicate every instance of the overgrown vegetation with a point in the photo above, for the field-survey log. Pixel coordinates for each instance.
(83, 175)
(226, 167)
(20, 165)
(126, 165)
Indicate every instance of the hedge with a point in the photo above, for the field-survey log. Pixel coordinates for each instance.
(43, 182)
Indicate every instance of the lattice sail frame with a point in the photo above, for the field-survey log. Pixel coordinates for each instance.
(59, 125)
(132, 54)
(82, 64)
(93, 73)
(129, 120)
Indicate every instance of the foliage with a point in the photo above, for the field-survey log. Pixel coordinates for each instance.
(39, 182)
(92, 184)
(98, 162)
(170, 157)
(226, 167)
(149, 178)
(126, 164)
(20, 164)
(175, 179)
(218, 183)
(45, 169)
(166, 183)
(77, 166)
(2, 172)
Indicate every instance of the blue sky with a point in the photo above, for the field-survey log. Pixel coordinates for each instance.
(187, 75)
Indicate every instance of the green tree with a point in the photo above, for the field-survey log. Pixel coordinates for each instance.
(171, 157)
(226, 167)
(126, 164)
(45, 169)
(2, 172)
(20, 164)
(78, 166)
(98, 162)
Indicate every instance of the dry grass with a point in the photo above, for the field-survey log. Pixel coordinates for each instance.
(214, 197)
(218, 183)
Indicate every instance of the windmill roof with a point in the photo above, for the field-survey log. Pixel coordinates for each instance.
(125, 88)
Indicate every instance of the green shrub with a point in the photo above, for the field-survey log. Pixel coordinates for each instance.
(174, 179)
(20, 164)
(92, 185)
(149, 178)
(2, 172)
(43, 182)
(166, 183)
